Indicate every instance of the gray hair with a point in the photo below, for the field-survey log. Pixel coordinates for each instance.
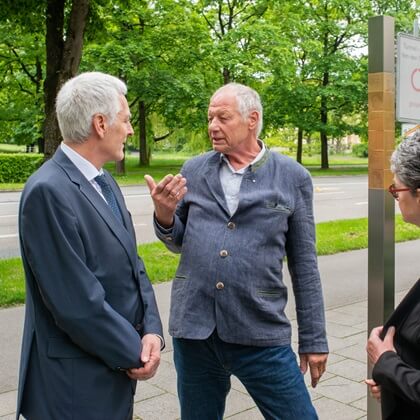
(405, 162)
(248, 101)
(83, 96)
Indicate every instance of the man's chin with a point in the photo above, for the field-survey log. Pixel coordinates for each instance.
(218, 148)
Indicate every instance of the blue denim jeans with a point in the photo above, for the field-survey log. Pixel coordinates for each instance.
(271, 375)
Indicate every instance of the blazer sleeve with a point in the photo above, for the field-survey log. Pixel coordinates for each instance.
(398, 377)
(303, 268)
(53, 250)
(151, 320)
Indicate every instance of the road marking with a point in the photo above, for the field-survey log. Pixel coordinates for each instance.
(136, 195)
(14, 235)
(361, 203)
(341, 183)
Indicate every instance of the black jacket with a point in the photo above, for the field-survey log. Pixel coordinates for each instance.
(398, 374)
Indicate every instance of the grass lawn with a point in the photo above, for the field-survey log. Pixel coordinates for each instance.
(332, 237)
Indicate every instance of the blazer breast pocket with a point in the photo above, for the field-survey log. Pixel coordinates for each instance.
(278, 207)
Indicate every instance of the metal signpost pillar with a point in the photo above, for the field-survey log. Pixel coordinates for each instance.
(381, 133)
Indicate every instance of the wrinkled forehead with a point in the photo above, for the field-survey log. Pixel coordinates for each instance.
(224, 100)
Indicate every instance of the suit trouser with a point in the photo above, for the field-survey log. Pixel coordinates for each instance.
(271, 375)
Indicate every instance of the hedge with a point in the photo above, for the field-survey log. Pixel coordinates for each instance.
(18, 167)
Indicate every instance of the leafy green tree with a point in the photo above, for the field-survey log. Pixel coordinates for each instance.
(26, 26)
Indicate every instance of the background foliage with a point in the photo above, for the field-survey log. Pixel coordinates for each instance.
(307, 58)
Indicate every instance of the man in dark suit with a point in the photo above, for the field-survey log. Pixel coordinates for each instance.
(92, 327)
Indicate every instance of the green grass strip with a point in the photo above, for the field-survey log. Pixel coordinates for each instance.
(332, 238)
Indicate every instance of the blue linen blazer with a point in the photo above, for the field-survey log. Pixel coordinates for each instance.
(88, 299)
(230, 271)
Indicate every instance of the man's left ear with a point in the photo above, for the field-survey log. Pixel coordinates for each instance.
(99, 124)
(254, 117)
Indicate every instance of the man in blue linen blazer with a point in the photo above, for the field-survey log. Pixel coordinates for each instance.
(245, 210)
(92, 326)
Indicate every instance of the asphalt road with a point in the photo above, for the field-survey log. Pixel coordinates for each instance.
(334, 198)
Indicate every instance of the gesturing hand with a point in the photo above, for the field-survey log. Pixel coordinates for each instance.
(166, 195)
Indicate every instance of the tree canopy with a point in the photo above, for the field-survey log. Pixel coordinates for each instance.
(307, 58)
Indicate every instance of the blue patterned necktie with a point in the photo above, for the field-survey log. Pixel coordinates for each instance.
(109, 196)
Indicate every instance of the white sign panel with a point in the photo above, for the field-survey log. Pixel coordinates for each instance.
(408, 78)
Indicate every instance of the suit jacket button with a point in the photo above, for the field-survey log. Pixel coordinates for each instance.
(220, 285)
(138, 327)
(223, 253)
(231, 225)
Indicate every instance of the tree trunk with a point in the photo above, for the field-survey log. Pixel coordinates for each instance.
(144, 158)
(54, 46)
(299, 145)
(64, 52)
(324, 122)
(120, 165)
(226, 76)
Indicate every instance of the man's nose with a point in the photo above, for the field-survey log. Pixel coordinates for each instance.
(130, 130)
(213, 126)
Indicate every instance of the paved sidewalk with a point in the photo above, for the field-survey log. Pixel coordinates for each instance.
(341, 395)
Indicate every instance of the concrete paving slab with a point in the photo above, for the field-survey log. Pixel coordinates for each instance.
(145, 391)
(8, 403)
(341, 389)
(329, 409)
(252, 414)
(162, 407)
(360, 404)
(348, 368)
(335, 329)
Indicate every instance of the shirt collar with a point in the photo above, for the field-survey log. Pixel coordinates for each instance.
(88, 170)
(257, 158)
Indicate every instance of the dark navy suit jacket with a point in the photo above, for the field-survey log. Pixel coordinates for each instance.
(88, 299)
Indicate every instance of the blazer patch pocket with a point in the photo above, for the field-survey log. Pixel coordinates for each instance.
(278, 207)
(270, 293)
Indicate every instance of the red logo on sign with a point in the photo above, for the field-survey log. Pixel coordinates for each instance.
(415, 79)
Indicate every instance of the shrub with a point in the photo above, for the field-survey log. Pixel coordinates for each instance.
(18, 167)
(360, 150)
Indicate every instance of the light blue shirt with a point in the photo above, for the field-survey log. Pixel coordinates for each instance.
(231, 179)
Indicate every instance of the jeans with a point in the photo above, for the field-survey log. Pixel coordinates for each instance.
(271, 376)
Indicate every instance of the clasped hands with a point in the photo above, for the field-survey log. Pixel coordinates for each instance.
(150, 357)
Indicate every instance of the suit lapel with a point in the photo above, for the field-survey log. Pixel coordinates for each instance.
(124, 237)
(121, 203)
(212, 179)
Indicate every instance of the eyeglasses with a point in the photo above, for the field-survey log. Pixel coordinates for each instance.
(394, 191)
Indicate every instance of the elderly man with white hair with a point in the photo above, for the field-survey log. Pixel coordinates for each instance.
(235, 214)
(92, 327)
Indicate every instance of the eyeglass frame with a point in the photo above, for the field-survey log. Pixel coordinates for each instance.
(394, 191)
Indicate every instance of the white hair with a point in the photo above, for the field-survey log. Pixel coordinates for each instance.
(83, 96)
(247, 99)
